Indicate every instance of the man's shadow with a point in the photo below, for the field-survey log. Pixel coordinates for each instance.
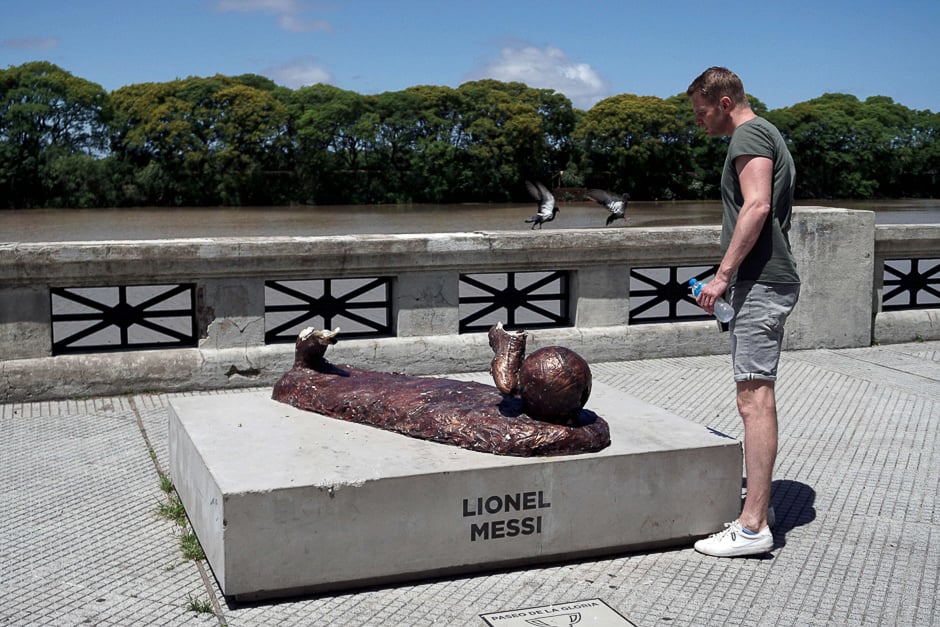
(793, 507)
(793, 504)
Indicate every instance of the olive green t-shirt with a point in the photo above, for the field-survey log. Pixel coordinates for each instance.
(771, 260)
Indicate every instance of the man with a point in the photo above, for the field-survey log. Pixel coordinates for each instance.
(757, 199)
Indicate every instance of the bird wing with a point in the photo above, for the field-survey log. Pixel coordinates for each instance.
(544, 191)
(534, 191)
(613, 202)
(546, 198)
(601, 196)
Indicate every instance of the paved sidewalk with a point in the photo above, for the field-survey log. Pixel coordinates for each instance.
(856, 491)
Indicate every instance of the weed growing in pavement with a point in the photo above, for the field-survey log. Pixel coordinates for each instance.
(166, 484)
(198, 605)
(192, 550)
(172, 509)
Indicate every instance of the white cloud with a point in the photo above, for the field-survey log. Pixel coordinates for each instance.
(290, 13)
(547, 68)
(271, 6)
(295, 24)
(299, 74)
(30, 43)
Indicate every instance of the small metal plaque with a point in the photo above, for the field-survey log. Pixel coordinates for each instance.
(593, 612)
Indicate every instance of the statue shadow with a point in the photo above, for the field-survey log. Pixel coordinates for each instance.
(512, 407)
(330, 368)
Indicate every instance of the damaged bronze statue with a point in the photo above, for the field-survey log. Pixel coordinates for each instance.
(536, 408)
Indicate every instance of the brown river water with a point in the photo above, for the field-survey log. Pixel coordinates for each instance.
(59, 225)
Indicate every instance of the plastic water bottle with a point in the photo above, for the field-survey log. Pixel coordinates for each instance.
(723, 311)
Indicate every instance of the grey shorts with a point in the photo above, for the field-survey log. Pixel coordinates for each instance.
(757, 328)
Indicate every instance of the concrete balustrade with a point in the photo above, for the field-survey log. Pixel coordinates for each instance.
(840, 254)
(908, 241)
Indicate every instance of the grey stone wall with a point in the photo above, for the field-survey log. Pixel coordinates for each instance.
(840, 253)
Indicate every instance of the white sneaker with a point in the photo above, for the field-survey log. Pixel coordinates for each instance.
(736, 541)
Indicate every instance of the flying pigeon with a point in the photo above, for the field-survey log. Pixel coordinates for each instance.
(547, 208)
(615, 204)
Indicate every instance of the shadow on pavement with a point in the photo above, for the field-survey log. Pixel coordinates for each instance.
(793, 504)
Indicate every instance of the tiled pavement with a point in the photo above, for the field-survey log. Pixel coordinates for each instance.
(856, 491)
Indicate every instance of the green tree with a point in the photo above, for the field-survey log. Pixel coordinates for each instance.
(921, 175)
(250, 144)
(165, 129)
(635, 144)
(328, 142)
(212, 140)
(52, 126)
(698, 166)
(437, 158)
(846, 148)
(395, 121)
(244, 140)
(501, 138)
(891, 140)
(558, 120)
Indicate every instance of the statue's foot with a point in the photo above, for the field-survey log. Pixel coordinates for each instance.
(509, 352)
(311, 345)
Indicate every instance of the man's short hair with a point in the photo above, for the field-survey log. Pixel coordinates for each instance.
(717, 82)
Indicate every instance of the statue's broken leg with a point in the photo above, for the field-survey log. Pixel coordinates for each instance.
(509, 352)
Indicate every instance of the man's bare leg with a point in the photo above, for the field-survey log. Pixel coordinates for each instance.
(758, 408)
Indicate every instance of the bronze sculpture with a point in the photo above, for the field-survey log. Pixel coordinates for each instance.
(535, 409)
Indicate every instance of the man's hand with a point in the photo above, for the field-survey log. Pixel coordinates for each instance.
(712, 291)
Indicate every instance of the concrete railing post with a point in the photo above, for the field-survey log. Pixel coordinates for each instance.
(25, 321)
(427, 303)
(834, 250)
(601, 296)
(230, 313)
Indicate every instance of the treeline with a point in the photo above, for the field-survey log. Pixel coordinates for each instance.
(242, 140)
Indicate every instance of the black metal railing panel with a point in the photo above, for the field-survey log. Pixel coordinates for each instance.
(911, 284)
(663, 295)
(126, 317)
(529, 300)
(360, 307)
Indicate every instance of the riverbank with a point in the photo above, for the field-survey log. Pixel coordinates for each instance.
(146, 223)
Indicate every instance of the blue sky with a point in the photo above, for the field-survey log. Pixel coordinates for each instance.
(786, 52)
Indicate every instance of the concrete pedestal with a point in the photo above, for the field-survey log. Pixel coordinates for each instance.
(287, 502)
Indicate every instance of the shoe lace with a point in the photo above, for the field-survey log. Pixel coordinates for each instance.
(730, 527)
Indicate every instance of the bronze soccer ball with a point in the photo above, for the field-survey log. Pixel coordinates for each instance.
(554, 384)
